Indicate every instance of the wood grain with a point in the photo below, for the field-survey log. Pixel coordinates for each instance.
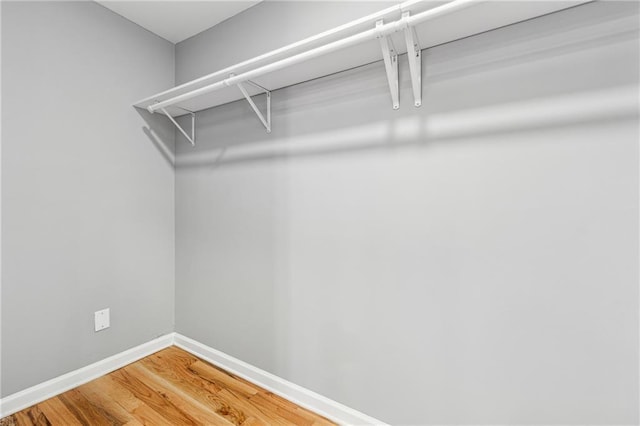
(170, 387)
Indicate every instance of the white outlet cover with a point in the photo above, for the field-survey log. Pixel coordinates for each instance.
(102, 319)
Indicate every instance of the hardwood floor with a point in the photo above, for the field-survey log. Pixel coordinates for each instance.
(170, 387)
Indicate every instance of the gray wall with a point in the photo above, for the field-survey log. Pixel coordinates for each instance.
(471, 261)
(261, 28)
(87, 189)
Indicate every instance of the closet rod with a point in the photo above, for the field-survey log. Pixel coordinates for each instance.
(400, 8)
(377, 32)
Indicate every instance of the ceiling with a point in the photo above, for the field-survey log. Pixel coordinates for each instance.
(177, 20)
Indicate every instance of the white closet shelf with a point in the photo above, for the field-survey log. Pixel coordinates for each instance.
(417, 24)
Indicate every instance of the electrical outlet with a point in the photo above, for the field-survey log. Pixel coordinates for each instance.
(102, 319)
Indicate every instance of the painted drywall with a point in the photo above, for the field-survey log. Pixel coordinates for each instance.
(474, 261)
(264, 27)
(87, 188)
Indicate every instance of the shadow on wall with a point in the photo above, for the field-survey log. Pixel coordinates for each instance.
(471, 88)
(416, 130)
(161, 133)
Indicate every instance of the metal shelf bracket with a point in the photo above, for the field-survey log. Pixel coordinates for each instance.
(414, 56)
(192, 138)
(390, 57)
(266, 122)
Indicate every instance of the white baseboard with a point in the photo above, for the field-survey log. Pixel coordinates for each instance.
(38, 393)
(297, 394)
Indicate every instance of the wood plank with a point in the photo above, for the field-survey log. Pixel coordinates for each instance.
(177, 356)
(85, 411)
(201, 390)
(282, 404)
(288, 413)
(170, 387)
(8, 421)
(127, 400)
(267, 401)
(252, 410)
(178, 374)
(252, 421)
(58, 413)
(92, 391)
(223, 379)
(200, 413)
(156, 400)
(31, 416)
